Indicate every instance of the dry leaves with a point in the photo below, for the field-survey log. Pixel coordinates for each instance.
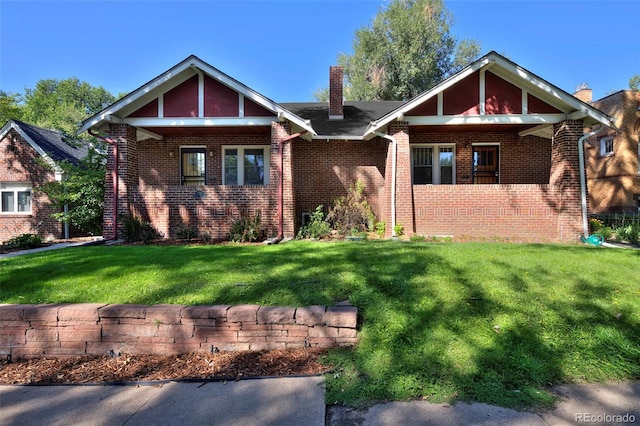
(132, 368)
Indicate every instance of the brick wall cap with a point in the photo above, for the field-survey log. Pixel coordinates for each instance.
(240, 313)
(128, 311)
(311, 315)
(276, 315)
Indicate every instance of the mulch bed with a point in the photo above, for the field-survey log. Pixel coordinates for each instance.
(139, 368)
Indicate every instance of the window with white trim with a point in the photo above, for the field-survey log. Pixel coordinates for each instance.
(433, 164)
(606, 145)
(15, 197)
(193, 166)
(245, 165)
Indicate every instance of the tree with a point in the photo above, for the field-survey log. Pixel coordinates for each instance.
(634, 82)
(406, 50)
(10, 107)
(82, 190)
(63, 104)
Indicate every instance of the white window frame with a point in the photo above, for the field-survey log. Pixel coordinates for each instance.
(15, 188)
(266, 150)
(604, 142)
(436, 162)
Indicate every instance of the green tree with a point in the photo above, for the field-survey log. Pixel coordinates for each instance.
(63, 104)
(82, 190)
(10, 107)
(407, 49)
(634, 82)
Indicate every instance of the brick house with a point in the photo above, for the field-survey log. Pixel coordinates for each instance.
(29, 157)
(490, 152)
(613, 157)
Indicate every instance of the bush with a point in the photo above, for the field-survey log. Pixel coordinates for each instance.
(381, 229)
(399, 230)
(317, 226)
(24, 241)
(628, 233)
(186, 233)
(137, 230)
(351, 212)
(247, 229)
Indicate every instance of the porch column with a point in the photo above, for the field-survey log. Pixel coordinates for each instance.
(279, 132)
(404, 190)
(127, 176)
(565, 177)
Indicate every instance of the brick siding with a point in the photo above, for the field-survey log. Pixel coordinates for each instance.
(64, 330)
(19, 162)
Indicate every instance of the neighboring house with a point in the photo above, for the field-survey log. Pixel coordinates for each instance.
(491, 152)
(612, 157)
(29, 157)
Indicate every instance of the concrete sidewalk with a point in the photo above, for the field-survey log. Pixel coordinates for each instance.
(57, 246)
(276, 401)
(290, 401)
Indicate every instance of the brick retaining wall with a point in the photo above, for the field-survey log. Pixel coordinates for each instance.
(61, 330)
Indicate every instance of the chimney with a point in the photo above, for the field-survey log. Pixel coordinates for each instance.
(584, 93)
(336, 111)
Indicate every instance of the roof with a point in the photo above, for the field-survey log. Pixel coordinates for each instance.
(51, 144)
(571, 107)
(357, 116)
(187, 68)
(362, 120)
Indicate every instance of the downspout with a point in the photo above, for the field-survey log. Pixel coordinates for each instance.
(394, 149)
(114, 179)
(281, 143)
(583, 180)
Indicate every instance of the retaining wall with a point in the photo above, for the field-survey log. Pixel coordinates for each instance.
(63, 330)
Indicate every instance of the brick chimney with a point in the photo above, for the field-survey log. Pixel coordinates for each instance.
(584, 93)
(336, 111)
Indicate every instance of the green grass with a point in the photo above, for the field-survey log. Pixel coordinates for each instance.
(494, 323)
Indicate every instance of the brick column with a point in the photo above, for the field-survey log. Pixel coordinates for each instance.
(565, 175)
(279, 132)
(404, 189)
(127, 175)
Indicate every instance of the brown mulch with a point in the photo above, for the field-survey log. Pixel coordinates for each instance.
(139, 368)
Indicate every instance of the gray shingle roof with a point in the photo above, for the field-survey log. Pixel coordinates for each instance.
(53, 143)
(357, 116)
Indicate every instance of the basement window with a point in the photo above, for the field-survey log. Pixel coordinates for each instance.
(606, 146)
(15, 197)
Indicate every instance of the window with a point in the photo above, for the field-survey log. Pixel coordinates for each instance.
(433, 164)
(15, 197)
(245, 165)
(193, 166)
(606, 145)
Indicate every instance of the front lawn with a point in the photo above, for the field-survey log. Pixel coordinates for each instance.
(487, 322)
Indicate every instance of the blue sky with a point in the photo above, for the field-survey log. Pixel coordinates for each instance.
(283, 49)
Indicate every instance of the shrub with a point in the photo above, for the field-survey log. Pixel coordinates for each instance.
(595, 224)
(628, 233)
(24, 241)
(247, 229)
(186, 233)
(351, 211)
(136, 229)
(317, 226)
(381, 229)
(399, 230)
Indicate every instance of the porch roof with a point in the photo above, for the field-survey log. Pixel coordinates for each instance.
(136, 108)
(554, 105)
